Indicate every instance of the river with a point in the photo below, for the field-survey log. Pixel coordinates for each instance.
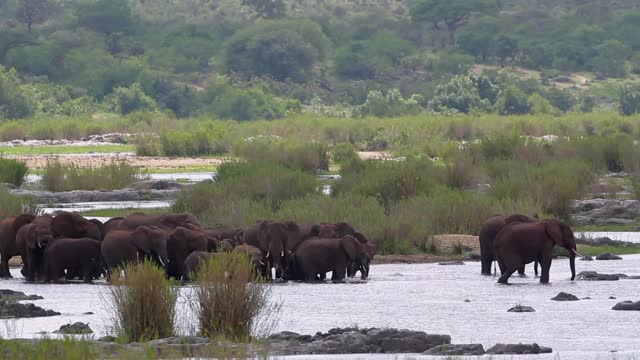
(427, 297)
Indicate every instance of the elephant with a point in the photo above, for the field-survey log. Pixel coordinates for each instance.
(371, 249)
(194, 261)
(9, 227)
(221, 234)
(111, 224)
(321, 255)
(226, 245)
(182, 242)
(80, 257)
(276, 240)
(335, 230)
(31, 241)
(490, 229)
(255, 255)
(167, 220)
(520, 243)
(71, 225)
(122, 246)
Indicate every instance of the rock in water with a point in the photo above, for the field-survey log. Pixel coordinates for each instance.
(563, 296)
(10, 309)
(456, 349)
(608, 256)
(521, 308)
(594, 276)
(74, 329)
(627, 306)
(10, 295)
(517, 349)
(587, 258)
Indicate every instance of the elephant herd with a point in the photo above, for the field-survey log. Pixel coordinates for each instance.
(70, 246)
(515, 240)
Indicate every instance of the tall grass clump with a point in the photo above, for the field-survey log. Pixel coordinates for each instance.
(227, 300)
(142, 303)
(66, 177)
(51, 349)
(294, 155)
(12, 171)
(635, 184)
(15, 205)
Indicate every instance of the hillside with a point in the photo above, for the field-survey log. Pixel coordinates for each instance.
(256, 59)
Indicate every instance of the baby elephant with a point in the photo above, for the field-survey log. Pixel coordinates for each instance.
(77, 256)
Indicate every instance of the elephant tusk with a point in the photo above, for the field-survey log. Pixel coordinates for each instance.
(161, 262)
(282, 253)
(262, 263)
(577, 253)
(268, 253)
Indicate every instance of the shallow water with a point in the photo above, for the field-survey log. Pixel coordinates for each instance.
(426, 297)
(187, 177)
(88, 206)
(628, 236)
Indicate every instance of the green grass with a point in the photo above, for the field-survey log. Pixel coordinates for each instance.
(613, 227)
(66, 149)
(122, 212)
(184, 169)
(618, 250)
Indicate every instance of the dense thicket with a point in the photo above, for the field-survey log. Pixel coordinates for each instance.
(257, 59)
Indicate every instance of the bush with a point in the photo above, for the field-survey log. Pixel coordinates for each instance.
(390, 181)
(63, 177)
(512, 101)
(343, 153)
(630, 99)
(283, 49)
(228, 303)
(126, 100)
(142, 303)
(463, 94)
(16, 205)
(12, 171)
(15, 101)
(300, 156)
(390, 105)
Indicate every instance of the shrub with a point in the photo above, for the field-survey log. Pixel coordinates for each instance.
(343, 152)
(15, 101)
(16, 205)
(512, 101)
(630, 99)
(142, 303)
(390, 181)
(12, 131)
(389, 105)
(12, 171)
(462, 93)
(64, 177)
(294, 155)
(228, 302)
(126, 100)
(635, 183)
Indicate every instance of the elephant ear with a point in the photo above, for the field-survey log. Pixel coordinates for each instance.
(197, 241)
(141, 238)
(342, 229)
(239, 236)
(554, 229)
(31, 239)
(315, 230)
(21, 221)
(100, 227)
(351, 247)
(360, 237)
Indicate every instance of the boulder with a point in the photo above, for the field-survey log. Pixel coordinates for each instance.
(74, 329)
(518, 349)
(11, 295)
(594, 276)
(456, 350)
(586, 258)
(563, 296)
(521, 308)
(608, 256)
(9, 309)
(627, 306)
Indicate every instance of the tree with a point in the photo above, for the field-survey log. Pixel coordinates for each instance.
(15, 102)
(30, 12)
(278, 48)
(105, 16)
(452, 13)
(630, 100)
(479, 38)
(512, 101)
(463, 94)
(268, 9)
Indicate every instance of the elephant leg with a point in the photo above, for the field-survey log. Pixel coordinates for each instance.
(545, 265)
(535, 266)
(505, 276)
(322, 276)
(521, 271)
(338, 275)
(4, 266)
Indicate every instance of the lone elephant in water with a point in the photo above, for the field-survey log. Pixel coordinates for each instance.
(81, 257)
(31, 242)
(521, 243)
(488, 234)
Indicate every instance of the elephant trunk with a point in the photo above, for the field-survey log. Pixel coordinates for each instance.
(572, 264)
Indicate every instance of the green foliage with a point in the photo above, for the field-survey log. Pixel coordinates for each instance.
(14, 98)
(453, 13)
(561, 99)
(343, 153)
(390, 105)
(129, 99)
(61, 177)
(268, 9)
(227, 300)
(464, 93)
(30, 12)
(142, 303)
(105, 16)
(297, 156)
(15, 205)
(283, 49)
(540, 105)
(630, 99)
(512, 101)
(12, 171)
